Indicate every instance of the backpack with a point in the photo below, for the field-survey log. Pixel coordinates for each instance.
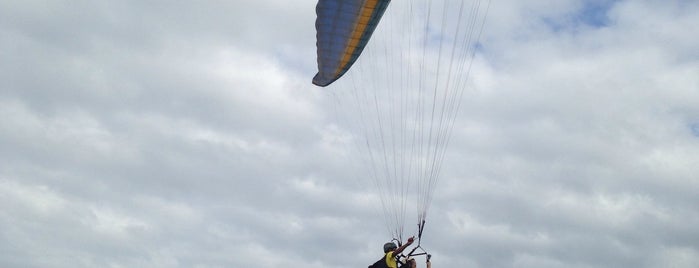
(380, 263)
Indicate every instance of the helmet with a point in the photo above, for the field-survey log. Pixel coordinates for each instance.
(390, 246)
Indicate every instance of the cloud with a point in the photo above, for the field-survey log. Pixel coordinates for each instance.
(138, 134)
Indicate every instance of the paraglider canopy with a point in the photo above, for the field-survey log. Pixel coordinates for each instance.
(344, 28)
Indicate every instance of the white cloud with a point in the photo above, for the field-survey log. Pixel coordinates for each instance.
(138, 134)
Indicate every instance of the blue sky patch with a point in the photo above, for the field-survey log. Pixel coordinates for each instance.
(695, 129)
(592, 13)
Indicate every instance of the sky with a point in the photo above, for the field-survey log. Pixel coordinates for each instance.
(188, 134)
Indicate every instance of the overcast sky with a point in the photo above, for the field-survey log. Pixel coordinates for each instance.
(188, 134)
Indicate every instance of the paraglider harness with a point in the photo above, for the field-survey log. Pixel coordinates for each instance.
(402, 259)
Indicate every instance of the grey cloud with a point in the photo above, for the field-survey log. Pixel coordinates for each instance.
(147, 134)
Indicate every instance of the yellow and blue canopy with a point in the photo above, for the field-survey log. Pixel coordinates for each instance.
(344, 28)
